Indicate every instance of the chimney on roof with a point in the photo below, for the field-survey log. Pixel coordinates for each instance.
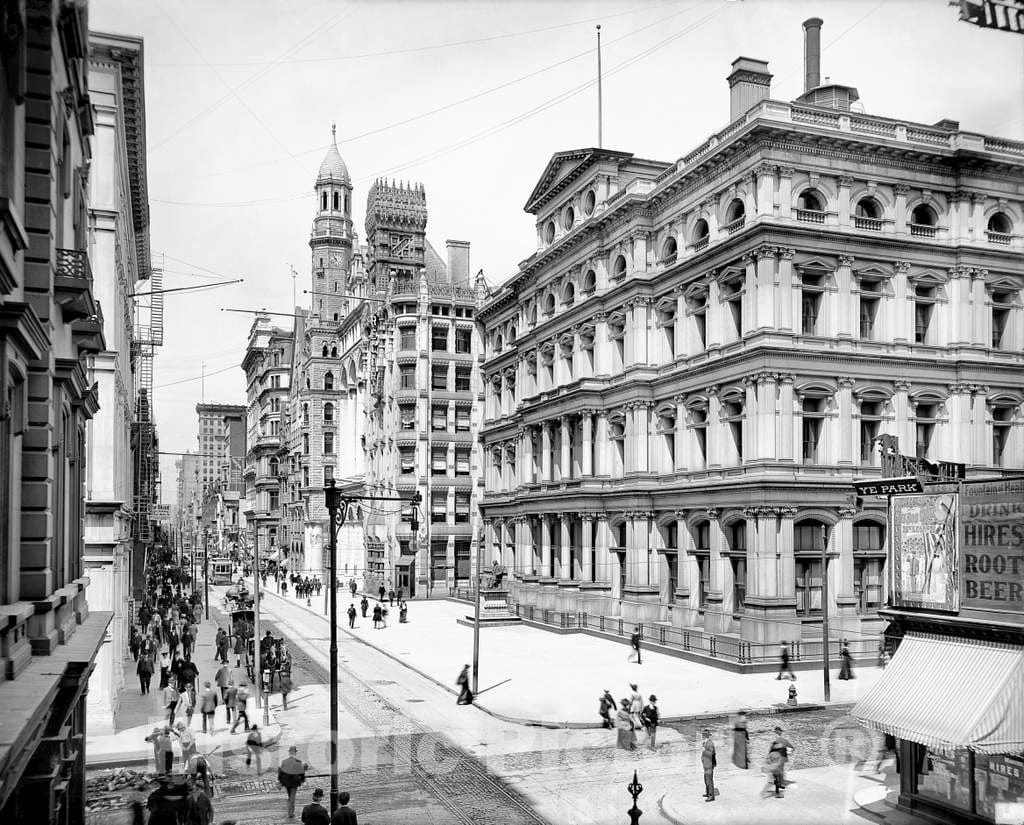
(749, 84)
(812, 53)
(458, 262)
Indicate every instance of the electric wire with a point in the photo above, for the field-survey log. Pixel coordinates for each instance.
(197, 377)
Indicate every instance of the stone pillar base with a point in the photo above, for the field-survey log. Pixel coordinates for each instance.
(547, 594)
(715, 619)
(568, 598)
(641, 604)
(769, 621)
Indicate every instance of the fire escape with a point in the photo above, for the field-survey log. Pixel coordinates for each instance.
(147, 337)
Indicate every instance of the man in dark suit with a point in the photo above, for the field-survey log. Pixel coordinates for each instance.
(343, 814)
(708, 761)
(315, 813)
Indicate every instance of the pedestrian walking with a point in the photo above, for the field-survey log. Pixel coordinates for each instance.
(187, 740)
(605, 710)
(708, 761)
(170, 701)
(208, 701)
(778, 757)
(351, 615)
(634, 642)
(343, 814)
(241, 701)
(135, 644)
(144, 669)
(649, 717)
(254, 748)
(391, 597)
(285, 681)
(465, 693)
(625, 733)
(377, 616)
(636, 706)
(165, 668)
(198, 808)
(315, 813)
(403, 612)
(290, 776)
(784, 661)
(846, 670)
(230, 697)
(381, 593)
(364, 605)
(187, 703)
(222, 646)
(740, 741)
(221, 679)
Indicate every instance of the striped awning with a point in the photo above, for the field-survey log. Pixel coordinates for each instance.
(949, 693)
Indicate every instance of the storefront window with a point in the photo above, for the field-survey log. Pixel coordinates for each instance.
(946, 778)
(998, 782)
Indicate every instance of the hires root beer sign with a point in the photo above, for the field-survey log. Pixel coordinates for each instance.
(992, 545)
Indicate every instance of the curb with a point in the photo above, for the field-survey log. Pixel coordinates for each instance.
(771, 710)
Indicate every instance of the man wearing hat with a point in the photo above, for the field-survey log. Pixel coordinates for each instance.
(315, 813)
(778, 756)
(649, 718)
(708, 761)
(290, 776)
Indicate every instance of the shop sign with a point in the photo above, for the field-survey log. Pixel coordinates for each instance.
(992, 545)
(888, 486)
(926, 559)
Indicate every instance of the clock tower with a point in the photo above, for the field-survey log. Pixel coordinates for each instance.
(331, 239)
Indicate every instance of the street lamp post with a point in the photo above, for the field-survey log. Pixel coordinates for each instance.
(476, 622)
(206, 582)
(332, 498)
(258, 669)
(824, 613)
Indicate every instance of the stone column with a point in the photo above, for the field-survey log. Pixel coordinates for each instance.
(982, 316)
(844, 205)
(714, 429)
(784, 293)
(765, 299)
(545, 545)
(602, 346)
(786, 560)
(785, 437)
(766, 431)
(681, 460)
(602, 461)
(586, 546)
(587, 459)
(901, 411)
(900, 214)
(545, 451)
(603, 573)
(841, 570)
(565, 442)
(641, 330)
(847, 313)
(847, 453)
(688, 573)
(752, 446)
(785, 191)
(765, 189)
(641, 426)
(565, 570)
(655, 556)
(714, 313)
(715, 620)
(748, 303)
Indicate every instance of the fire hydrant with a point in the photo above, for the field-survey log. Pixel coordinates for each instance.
(792, 695)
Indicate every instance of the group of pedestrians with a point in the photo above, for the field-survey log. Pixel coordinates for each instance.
(304, 586)
(291, 775)
(629, 716)
(774, 764)
(172, 804)
(165, 636)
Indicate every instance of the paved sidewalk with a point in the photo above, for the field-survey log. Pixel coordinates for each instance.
(817, 795)
(137, 714)
(554, 679)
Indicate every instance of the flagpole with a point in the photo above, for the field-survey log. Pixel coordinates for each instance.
(600, 117)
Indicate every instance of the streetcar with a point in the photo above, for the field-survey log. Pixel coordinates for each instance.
(221, 571)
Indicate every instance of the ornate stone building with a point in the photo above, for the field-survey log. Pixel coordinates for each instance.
(687, 375)
(424, 401)
(50, 325)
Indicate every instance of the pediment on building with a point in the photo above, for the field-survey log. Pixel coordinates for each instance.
(566, 166)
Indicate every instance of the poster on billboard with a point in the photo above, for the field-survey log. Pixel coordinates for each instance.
(926, 562)
(992, 545)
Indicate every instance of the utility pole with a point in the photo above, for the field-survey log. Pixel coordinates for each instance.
(206, 582)
(332, 496)
(476, 622)
(824, 613)
(258, 669)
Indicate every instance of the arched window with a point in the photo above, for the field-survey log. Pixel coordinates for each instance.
(569, 294)
(669, 250)
(700, 231)
(549, 303)
(512, 334)
(1000, 223)
(923, 215)
(589, 281)
(336, 202)
(499, 343)
(323, 352)
(323, 201)
(619, 267)
(334, 352)
(736, 213)
(305, 411)
(810, 200)
(868, 208)
(274, 467)
(328, 413)
(329, 381)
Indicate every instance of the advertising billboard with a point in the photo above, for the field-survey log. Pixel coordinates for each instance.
(992, 545)
(926, 557)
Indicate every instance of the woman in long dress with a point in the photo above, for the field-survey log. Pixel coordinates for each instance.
(625, 736)
(740, 740)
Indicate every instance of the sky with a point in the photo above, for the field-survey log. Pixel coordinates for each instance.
(470, 98)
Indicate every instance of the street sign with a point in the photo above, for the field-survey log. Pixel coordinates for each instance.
(888, 486)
